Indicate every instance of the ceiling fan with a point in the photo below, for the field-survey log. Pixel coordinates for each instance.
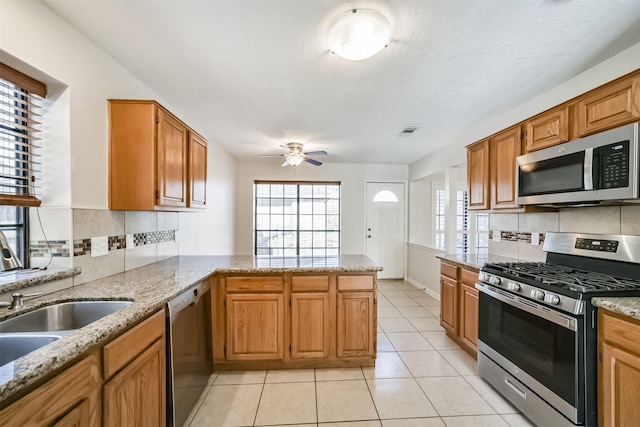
(295, 156)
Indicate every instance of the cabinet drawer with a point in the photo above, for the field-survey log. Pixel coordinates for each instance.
(309, 283)
(355, 283)
(449, 270)
(622, 332)
(129, 345)
(255, 284)
(468, 277)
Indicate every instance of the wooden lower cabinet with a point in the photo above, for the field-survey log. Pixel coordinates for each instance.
(134, 393)
(468, 331)
(619, 370)
(356, 332)
(294, 320)
(136, 396)
(71, 398)
(255, 328)
(311, 321)
(448, 304)
(459, 305)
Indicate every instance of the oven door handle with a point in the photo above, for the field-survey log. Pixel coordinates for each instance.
(560, 319)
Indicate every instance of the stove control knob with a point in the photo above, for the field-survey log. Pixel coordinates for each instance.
(552, 299)
(495, 281)
(514, 287)
(537, 294)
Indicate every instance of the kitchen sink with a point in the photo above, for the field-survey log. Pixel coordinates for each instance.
(13, 347)
(62, 316)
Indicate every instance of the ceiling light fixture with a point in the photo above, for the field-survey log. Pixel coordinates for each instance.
(359, 34)
(295, 158)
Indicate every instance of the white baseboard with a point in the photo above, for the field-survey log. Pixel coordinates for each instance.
(423, 288)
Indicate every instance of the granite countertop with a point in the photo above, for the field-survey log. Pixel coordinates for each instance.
(475, 261)
(149, 287)
(14, 280)
(628, 306)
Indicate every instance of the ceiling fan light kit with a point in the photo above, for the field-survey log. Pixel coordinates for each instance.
(296, 156)
(359, 34)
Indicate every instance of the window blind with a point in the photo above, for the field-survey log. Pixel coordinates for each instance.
(20, 162)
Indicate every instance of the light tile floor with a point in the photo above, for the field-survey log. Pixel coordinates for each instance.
(421, 379)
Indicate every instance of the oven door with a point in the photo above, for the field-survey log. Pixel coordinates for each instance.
(536, 345)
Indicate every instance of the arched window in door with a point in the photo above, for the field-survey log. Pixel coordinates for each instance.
(385, 196)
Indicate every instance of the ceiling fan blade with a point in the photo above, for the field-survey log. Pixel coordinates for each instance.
(286, 163)
(312, 161)
(316, 153)
(271, 155)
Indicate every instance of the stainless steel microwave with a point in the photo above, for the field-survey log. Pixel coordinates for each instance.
(597, 169)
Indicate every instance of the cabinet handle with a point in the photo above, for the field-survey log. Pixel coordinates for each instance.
(516, 389)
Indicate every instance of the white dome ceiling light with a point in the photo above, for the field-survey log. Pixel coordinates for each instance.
(359, 34)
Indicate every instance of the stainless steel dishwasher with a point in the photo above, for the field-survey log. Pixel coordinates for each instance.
(189, 351)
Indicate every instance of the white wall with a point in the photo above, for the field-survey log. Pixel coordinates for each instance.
(454, 151)
(80, 78)
(212, 232)
(352, 177)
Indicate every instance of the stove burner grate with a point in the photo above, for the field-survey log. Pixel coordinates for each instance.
(570, 278)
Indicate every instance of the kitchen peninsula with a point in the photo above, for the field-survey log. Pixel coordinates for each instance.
(267, 311)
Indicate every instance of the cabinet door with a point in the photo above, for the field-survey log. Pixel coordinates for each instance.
(197, 171)
(72, 398)
(504, 148)
(310, 325)
(609, 106)
(255, 327)
(136, 395)
(172, 163)
(469, 316)
(449, 304)
(621, 387)
(548, 129)
(478, 175)
(356, 324)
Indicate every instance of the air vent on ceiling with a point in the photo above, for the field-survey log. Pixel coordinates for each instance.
(408, 130)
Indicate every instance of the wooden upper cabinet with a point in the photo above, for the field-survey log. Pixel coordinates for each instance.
(478, 175)
(609, 106)
(155, 161)
(197, 171)
(172, 163)
(504, 148)
(547, 129)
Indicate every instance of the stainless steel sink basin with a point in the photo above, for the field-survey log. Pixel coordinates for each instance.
(13, 347)
(62, 316)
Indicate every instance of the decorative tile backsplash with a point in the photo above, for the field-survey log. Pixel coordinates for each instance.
(514, 236)
(83, 246)
(43, 248)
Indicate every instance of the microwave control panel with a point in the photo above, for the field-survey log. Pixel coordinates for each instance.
(615, 165)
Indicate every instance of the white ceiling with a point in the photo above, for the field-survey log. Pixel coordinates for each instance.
(253, 74)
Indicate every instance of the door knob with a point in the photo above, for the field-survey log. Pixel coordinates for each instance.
(369, 236)
(368, 229)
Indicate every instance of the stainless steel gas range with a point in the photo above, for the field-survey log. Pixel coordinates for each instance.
(537, 335)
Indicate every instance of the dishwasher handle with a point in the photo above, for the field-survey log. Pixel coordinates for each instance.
(187, 298)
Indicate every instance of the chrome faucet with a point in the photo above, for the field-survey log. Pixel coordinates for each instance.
(18, 300)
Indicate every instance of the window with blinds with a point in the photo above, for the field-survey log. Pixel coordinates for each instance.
(20, 101)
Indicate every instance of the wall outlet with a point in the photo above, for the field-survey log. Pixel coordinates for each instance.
(497, 236)
(129, 241)
(99, 246)
(535, 239)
